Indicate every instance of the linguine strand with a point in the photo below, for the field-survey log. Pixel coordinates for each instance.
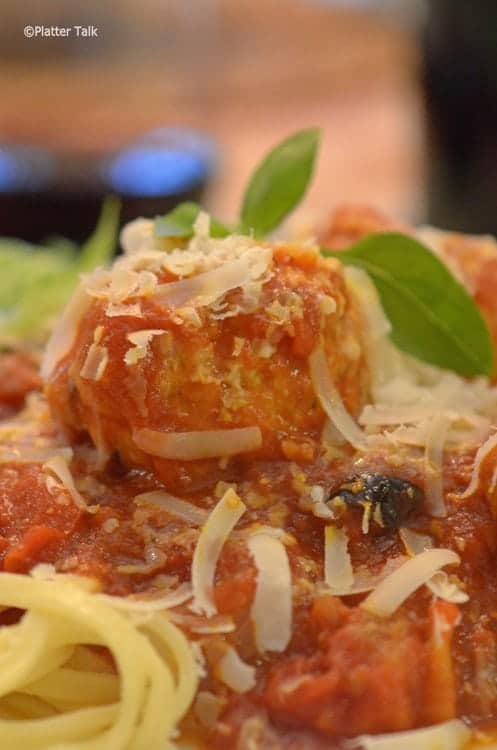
(56, 695)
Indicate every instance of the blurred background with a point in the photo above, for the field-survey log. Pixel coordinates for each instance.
(180, 98)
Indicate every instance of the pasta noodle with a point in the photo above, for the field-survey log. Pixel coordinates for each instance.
(54, 696)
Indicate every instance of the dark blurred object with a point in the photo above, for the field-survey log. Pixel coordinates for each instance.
(460, 77)
(45, 193)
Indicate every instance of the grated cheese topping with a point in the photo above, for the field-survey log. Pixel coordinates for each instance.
(433, 465)
(213, 536)
(65, 331)
(181, 509)
(206, 268)
(440, 584)
(140, 341)
(414, 542)
(271, 609)
(138, 236)
(171, 599)
(234, 672)
(191, 446)
(482, 453)
(338, 573)
(208, 707)
(451, 735)
(399, 585)
(331, 401)
(95, 363)
(340, 579)
(205, 288)
(445, 588)
(59, 466)
(133, 310)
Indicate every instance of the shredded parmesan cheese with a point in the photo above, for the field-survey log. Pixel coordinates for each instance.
(340, 578)
(234, 672)
(190, 446)
(205, 288)
(181, 509)
(138, 236)
(433, 463)
(400, 584)
(154, 560)
(413, 542)
(64, 332)
(338, 573)
(381, 414)
(120, 283)
(151, 604)
(440, 585)
(214, 534)
(95, 363)
(331, 401)
(58, 466)
(140, 341)
(238, 344)
(272, 606)
(124, 311)
(204, 625)
(318, 506)
(278, 533)
(443, 588)
(480, 457)
(221, 624)
(208, 708)
(451, 735)
(110, 525)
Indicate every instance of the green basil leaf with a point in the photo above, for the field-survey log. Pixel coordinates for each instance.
(432, 315)
(279, 182)
(179, 222)
(99, 248)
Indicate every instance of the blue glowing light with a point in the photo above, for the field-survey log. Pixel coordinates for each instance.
(8, 171)
(24, 169)
(156, 171)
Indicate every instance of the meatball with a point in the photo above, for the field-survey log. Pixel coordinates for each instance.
(215, 336)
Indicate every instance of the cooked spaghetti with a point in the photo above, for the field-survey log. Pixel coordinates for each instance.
(59, 689)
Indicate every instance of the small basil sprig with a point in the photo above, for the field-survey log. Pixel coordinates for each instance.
(179, 222)
(279, 182)
(432, 315)
(274, 190)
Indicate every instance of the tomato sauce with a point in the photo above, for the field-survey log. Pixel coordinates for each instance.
(345, 672)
